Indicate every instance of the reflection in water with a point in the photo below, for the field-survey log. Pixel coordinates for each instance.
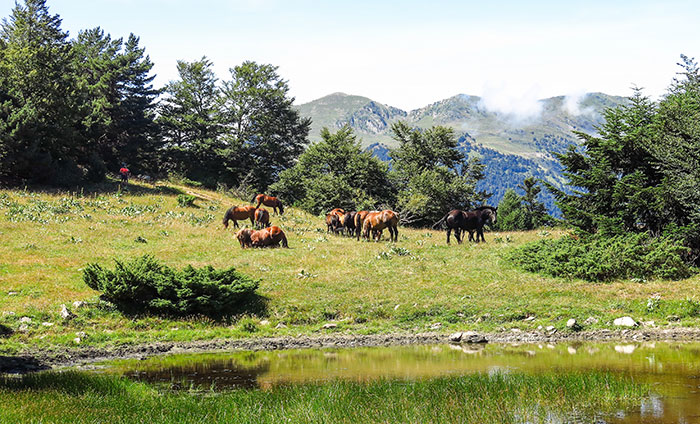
(673, 369)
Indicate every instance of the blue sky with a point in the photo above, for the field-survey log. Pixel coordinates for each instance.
(409, 54)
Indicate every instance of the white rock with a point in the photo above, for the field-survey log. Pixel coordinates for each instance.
(8, 314)
(25, 320)
(436, 326)
(473, 337)
(329, 325)
(81, 334)
(530, 318)
(571, 350)
(23, 328)
(550, 328)
(280, 325)
(65, 313)
(625, 322)
(76, 340)
(47, 324)
(78, 304)
(264, 322)
(571, 323)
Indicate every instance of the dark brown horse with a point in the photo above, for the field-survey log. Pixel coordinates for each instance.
(349, 223)
(470, 221)
(377, 221)
(238, 213)
(270, 201)
(262, 218)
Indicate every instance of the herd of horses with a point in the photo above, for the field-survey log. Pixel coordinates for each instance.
(352, 223)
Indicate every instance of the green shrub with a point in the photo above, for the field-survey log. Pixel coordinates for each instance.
(145, 285)
(185, 200)
(598, 258)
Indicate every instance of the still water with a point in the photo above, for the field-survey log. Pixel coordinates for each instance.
(673, 369)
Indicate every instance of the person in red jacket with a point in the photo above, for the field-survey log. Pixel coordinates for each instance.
(124, 173)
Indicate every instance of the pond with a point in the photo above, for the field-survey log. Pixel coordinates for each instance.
(672, 369)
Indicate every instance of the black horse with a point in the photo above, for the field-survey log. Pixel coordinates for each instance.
(470, 221)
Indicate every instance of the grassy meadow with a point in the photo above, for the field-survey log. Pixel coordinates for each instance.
(363, 287)
(498, 398)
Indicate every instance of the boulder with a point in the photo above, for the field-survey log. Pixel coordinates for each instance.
(573, 325)
(473, 337)
(625, 322)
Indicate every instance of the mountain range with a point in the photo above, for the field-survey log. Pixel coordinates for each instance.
(512, 147)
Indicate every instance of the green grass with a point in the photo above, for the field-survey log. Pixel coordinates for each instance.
(74, 397)
(365, 287)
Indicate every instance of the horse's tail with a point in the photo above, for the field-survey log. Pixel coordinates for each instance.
(440, 221)
(227, 217)
(279, 205)
(284, 240)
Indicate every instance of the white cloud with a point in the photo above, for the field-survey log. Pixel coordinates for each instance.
(517, 103)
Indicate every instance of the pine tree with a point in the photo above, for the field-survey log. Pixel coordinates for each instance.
(263, 133)
(190, 122)
(37, 90)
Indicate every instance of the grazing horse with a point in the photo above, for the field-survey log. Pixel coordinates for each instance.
(359, 220)
(470, 221)
(334, 220)
(243, 237)
(238, 213)
(270, 201)
(377, 221)
(262, 218)
(349, 223)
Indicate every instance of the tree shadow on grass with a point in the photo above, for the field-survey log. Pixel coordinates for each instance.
(20, 365)
(110, 187)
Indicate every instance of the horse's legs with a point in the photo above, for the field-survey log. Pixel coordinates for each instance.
(449, 231)
(235, 223)
(458, 235)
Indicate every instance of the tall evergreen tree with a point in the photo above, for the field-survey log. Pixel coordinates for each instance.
(39, 140)
(190, 122)
(264, 134)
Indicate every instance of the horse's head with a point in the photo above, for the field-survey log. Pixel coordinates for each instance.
(243, 237)
(279, 205)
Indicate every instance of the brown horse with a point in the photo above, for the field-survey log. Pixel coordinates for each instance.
(270, 201)
(359, 219)
(334, 220)
(238, 213)
(469, 221)
(377, 221)
(268, 237)
(262, 218)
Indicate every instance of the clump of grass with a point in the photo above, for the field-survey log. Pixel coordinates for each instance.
(495, 398)
(185, 200)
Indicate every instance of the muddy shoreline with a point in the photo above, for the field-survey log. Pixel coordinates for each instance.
(59, 357)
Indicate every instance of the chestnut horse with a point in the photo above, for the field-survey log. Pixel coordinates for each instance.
(238, 213)
(469, 221)
(334, 220)
(270, 201)
(359, 219)
(262, 218)
(268, 237)
(377, 221)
